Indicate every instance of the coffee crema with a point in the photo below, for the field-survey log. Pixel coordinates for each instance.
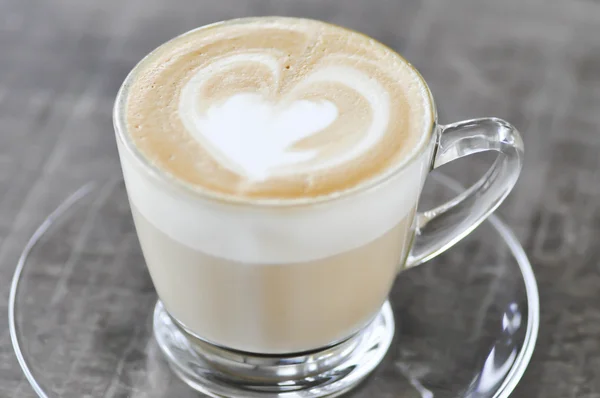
(276, 108)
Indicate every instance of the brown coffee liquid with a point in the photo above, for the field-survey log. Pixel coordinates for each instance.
(276, 108)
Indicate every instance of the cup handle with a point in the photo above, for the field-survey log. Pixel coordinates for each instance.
(440, 228)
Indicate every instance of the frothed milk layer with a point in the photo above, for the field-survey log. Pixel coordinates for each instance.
(273, 234)
(276, 108)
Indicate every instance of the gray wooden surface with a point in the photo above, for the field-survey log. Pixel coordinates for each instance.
(535, 63)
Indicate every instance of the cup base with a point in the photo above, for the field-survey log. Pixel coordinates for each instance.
(219, 372)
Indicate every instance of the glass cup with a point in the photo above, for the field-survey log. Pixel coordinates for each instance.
(284, 298)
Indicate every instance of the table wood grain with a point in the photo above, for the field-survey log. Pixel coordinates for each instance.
(535, 63)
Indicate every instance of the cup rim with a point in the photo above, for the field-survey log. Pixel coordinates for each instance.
(120, 127)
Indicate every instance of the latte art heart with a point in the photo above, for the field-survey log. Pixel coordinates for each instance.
(276, 108)
(254, 137)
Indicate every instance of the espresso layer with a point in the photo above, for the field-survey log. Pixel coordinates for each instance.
(276, 108)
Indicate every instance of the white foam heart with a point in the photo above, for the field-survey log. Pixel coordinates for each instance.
(253, 136)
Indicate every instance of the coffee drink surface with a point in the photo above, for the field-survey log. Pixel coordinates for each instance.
(276, 108)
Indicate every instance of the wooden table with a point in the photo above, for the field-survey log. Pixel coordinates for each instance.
(535, 63)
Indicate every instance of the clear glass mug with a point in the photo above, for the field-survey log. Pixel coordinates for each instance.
(286, 298)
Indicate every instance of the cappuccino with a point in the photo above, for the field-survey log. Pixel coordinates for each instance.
(273, 166)
(276, 108)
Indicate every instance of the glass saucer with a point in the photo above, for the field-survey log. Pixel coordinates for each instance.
(81, 309)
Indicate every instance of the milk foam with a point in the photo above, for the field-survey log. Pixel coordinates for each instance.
(253, 137)
(274, 235)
